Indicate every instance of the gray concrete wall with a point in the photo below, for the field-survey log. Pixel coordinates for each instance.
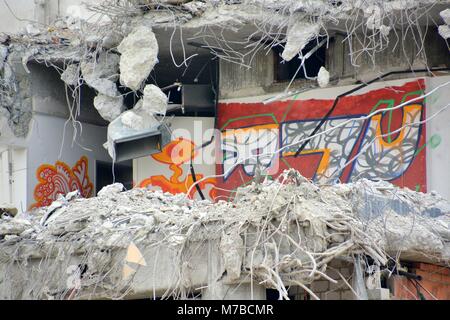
(18, 9)
(236, 81)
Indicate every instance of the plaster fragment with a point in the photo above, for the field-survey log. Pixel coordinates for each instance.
(298, 36)
(323, 77)
(444, 31)
(445, 15)
(71, 74)
(111, 190)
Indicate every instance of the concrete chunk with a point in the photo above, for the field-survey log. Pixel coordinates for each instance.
(155, 101)
(109, 108)
(298, 36)
(139, 55)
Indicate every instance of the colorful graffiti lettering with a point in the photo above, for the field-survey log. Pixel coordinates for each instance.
(61, 179)
(349, 145)
(250, 147)
(335, 146)
(387, 160)
(175, 154)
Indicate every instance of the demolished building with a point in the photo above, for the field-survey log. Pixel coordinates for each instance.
(222, 100)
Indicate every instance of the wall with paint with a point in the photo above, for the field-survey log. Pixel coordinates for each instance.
(353, 145)
(169, 170)
(62, 164)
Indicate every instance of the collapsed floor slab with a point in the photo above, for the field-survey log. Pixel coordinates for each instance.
(274, 234)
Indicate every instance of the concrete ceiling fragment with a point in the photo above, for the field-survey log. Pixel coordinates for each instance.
(298, 36)
(139, 54)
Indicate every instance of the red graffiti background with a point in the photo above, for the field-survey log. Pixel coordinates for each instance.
(255, 115)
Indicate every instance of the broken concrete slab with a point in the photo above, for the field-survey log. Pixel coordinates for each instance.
(130, 123)
(444, 31)
(233, 251)
(111, 190)
(13, 226)
(133, 121)
(445, 15)
(298, 36)
(3, 56)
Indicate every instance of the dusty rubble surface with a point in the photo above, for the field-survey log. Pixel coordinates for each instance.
(119, 42)
(280, 233)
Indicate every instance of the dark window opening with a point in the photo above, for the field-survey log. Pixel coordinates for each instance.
(285, 70)
(199, 85)
(123, 173)
(200, 79)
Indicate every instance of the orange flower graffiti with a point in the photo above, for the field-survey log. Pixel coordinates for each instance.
(61, 179)
(175, 154)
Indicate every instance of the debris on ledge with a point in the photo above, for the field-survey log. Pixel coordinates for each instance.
(279, 232)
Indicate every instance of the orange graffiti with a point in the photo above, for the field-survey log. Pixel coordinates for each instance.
(175, 154)
(61, 179)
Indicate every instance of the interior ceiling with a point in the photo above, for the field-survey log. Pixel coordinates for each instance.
(193, 41)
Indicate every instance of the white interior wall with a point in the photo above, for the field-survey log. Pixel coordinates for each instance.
(19, 178)
(13, 185)
(4, 176)
(196, 129)
(438, 137)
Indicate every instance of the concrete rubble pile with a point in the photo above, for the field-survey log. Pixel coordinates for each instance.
(277, 233)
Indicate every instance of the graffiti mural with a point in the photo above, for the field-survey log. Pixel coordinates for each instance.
(251, 147)
(335, 146)
(61, 179)
(175, 154)
(387, 159)
(350, 145)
